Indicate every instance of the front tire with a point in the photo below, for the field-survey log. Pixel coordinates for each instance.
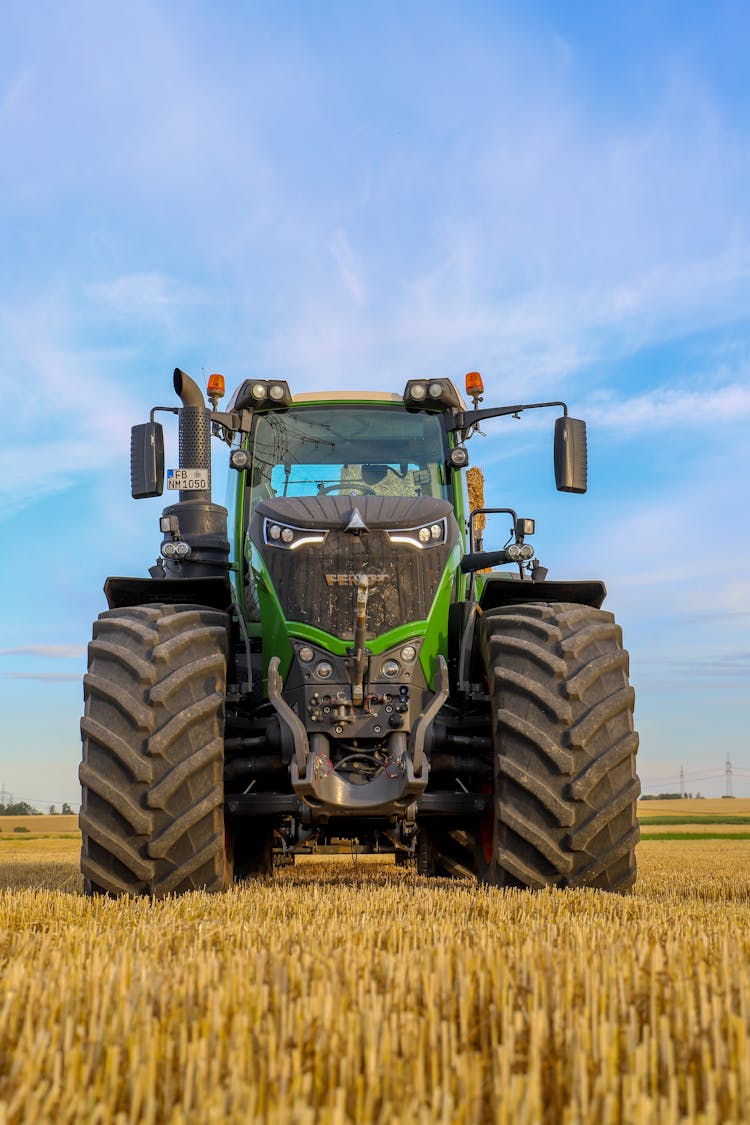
(152, 816)
(564, 810)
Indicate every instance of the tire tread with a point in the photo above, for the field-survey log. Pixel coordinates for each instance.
(152, 819)
(566, 787)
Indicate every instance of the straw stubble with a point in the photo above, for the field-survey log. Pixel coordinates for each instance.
(361, 993)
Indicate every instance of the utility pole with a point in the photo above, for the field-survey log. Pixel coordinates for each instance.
(728, 772)
(682, 781)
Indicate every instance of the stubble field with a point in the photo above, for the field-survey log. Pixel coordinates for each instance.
(345, 991)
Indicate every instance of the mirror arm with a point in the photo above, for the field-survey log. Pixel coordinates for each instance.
(165, 409)
(236, 421)
(464, 420)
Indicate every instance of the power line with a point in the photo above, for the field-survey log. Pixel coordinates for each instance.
(33, 800)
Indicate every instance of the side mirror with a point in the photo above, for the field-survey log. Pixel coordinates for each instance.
(146, 460)
(571, 458)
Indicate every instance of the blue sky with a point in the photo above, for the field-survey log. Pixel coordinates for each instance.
(351, 195)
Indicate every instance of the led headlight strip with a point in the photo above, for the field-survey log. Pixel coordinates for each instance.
(288, 537)
(428, 535)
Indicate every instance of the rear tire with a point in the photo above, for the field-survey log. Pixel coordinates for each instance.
(565, 783)
(152, 815)
(447, 853)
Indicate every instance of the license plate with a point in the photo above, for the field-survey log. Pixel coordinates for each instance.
(187, 480)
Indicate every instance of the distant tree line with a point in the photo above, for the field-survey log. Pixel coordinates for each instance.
(23, 808)
(671, 796)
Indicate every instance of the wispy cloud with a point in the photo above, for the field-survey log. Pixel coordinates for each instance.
(669, 406)
(144, 296)
(715, 668)
(71, 403)
(63, 652)
(349, 268)
(47, 677)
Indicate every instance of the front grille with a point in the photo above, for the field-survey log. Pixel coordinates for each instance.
(406, 581)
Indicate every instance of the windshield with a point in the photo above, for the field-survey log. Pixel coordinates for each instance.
(342, 450)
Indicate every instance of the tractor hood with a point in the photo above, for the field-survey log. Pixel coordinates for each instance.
(314, 548)
(329, 512)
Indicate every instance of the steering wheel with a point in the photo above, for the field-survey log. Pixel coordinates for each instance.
(347, 486)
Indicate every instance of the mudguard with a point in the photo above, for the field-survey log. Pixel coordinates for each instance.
(500, 590)
(212, 591)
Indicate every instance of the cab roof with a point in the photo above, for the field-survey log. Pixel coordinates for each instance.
(358, 396)
(346, 396)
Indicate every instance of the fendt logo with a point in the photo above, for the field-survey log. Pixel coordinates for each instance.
(353, 579)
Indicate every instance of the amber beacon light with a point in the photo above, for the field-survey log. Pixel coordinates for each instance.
(215, 389)
(474, 387)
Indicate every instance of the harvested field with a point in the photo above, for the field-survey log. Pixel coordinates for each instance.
(709, 818)
(350, 991)
(39, 825)
(668, 831)
(704, 806)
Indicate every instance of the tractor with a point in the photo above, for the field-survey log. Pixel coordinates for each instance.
(336, 656)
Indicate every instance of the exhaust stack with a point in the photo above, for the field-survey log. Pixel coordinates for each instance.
(194, 436)
(188, 390)
(199, 523)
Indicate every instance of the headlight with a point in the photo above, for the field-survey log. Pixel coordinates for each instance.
(305, 654)
(324, 670)
(431, 535)
(408, 654)
(175, 549)
(432, 394)
(256, 392)
(518, 551)
(458, 457)
(391, 668)
(290, 537)
(239, 459)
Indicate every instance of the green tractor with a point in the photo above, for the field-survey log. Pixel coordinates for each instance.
(332, 657)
